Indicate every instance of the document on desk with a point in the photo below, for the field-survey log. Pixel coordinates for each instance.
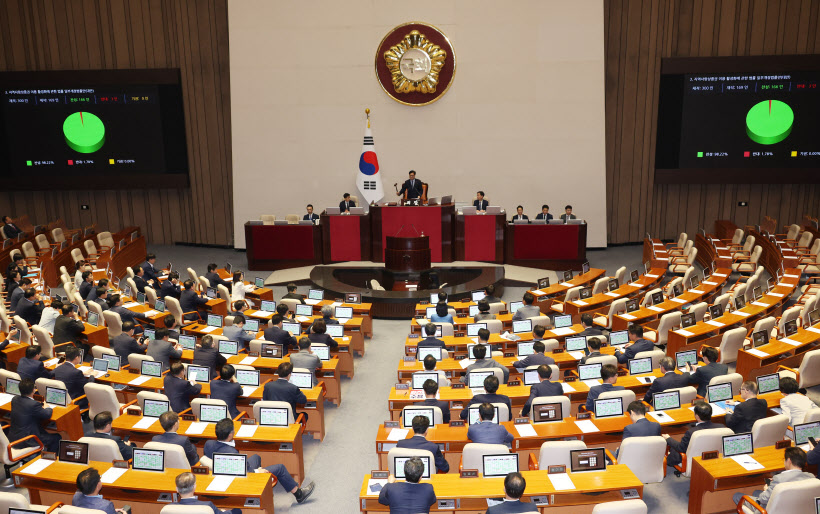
(741, 313)
(311, 301)
(561, 481)
(263, 314)
(111, 476)
(526, 430)
(652, 276)
(790, 341)
(684, 333)
(577, 354)
(634, 284)
(760, 304)
(538, 293)
(220, 483)
(791, 276)
(678, 300)
(592, 382)
(375, 485)
(246, 431)
(647, 379)
(813, 329)
(628, 316)
(130, 305)
(715, 323)
(660, 416)
(248, 390)
(145, 422)
(586, 426)
(37, 466)
(696, 291)
(567, 387)
(208, 330)
(580, 302)
(465, 362)
(610, 293)
(710, 283)
(397, 434)
(719, 274)
(779, 295)
(51, 362)
(757, 353)
(563, 331)
(139, 380)
(196, 428)
(5, 398)
(655, 308)
(747, 462)
(150, 313)
(302, 319)
(567, 284)
(248, 361)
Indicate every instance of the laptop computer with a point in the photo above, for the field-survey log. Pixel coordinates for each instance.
(738, 444)
(56, 396)
(13, 386)
(270, 306)
(666, 400)
(690, 356)
(514, 306)
(316, 294)
(273, 416)
(295, 328)
(344, 312)
(211, 293)
(590, 459)
(229, 464)
(609, 407)
(100, 367)
(251, 325)
(302, 309)
(333, 331)
(525, 348)
(802, 432)
(228, 347)
(148, 460)
(500, 465)
(113, 361)
(719, 392)
(215, 320)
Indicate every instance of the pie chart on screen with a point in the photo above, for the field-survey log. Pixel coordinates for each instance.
(84, 132)
(769, 122)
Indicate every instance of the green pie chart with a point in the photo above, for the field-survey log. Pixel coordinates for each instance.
(769, 122)
(84, 132)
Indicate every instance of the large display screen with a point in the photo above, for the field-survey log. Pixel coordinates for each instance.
(750, 119)
(98, 129)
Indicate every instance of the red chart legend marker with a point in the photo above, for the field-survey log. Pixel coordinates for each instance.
(746, 154)
(70, 162)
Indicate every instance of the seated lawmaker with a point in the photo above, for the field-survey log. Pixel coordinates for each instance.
(480, 352)
(528, 310)
(520, 214)
(31, 366)
(87, 284)
(186, 486)
(320, 336)
(214, 279)
(490, 395)
(124, 344)
(170, 287)
(710, 369)
(28, 417)
(169, 421)
(430, 389)
(151, 271)
(609, 374)
(636, 345)
(292, 294)
(544, 387)
(480, 203)
(669, 380)
(346, 204)
(487, 432)
(483, 311)
(408, 497)
(514, 485)
(429, 363)
(206, 354)
(795, 461)
(419, 442)
(703, 420)
(545, 213)
(310, 216)
(10, 229)
(227, 389)
(442, 314)
(190, 301)
(88, 494)
(102, 430)
(536, 358)
(593, 349)
(743, 416)
(178, 390)
(567, 214)
(30, 307)
(640, 427)
(411, 186)
(430, 340)
(489, 294)
(589, 327)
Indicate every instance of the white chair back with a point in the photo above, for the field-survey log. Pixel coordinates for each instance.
(43, 338)
(644, 456)
(135, 360)
(186, 509)
(175, 457)
(101, 450)
(101, 398)
(627, 396)
(731, 342)
(794, 496)
(656, 356)
(22, 326)
(734, 378)
(98, 351)
(473, 454)
(437, 414)
(688, 394)
(556, 453)
(273, 405)
(768, 431)
(113, 322)
(408, 452)
(621, 507)
(566, 406)
(710, 439)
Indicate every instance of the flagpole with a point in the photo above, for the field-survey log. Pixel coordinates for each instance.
(367, 112)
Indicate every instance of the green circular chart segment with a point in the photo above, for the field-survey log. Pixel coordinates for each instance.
(769, 122)
(84, 132)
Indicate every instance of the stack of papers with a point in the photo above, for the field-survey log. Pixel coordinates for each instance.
(311, 301)
(747, 462)
(246, 431)
(145, 422)
(592, 382)
(684, 333)
(51, 362)
(197, 428)
(208, 330)
(37, 466)
(397, 434)
(697, 291)
(538, 293)
(567, 387)
(563, 331)
(302, 319)
(813, 329)
(586, 426)
(652, 276)
(791, 341)
(678, 300)
(715, 323)
(248, 390)
(526, 430)
(139, 380)
(710, 283)
(757, 353)
(719, 274)
(741, 313)
(627, 316)
(263, 313)
(465, 362)
(342, 321)
(577, 355)
(760, 304)
(130, 304)
(5, 398)
(561, 481)
(779, 295)
(111, 476)
(248, 361)
(610, 293)
(581, 302)
(220, 483)
(655, 308)
(151, 313)
(567, 284)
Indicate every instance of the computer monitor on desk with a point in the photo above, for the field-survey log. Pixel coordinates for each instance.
(212, 413)
(547, 412)
(230, 464)
(74, 452)
(589, 371)
(474, 416)
(148, 460)
(768, 383)
(476, 379)
(420, 377)
(398, 465)
(335, 330)
(409, 414)
(531, 377)
(609, 407)
(273, 416)
(500, 465)
(590, 459)
(666, 400)
(522, 326)
(738, 444)
(803, 431)
(719, 392)
(563, 321)
(424, 351)
(526, 348)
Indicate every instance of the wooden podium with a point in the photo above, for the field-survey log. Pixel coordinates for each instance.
(407, 254)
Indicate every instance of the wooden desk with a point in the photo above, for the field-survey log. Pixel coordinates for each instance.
(66, 419)
(459, 344)
(275, 445)
(282, 246)
(470, 494)
(345, 237)
(480, 237)
(462, 308)
(352, 329)
(709, 476)
(460, 323)
(654, 252)
(546, 246)
(719, 254)
(360, 310)
(435, 221)
(752, 366)
(140, 489)
(601, 301)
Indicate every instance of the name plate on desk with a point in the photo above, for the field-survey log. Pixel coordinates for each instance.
(285, 447)
(557, 350)
(522, 421)
(513, 383)
(326, 374)
(49, 455)
(785, 443)
(379, 474)
(455, 422)
(551, 470)
(122, 464)
(391, 424)
(468, 473)
(541, 501)
(200, 470)
(248, 421)
(709, 455)
(449, 504)
(410, 358)
(457, 386)
(134, 412)
(187, 417)
(459, 334)
(569, 379)
(402, 387)
(253, 354)
(134, 371)
(583, 415)
(310, 405)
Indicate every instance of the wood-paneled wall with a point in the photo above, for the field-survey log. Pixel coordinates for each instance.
(131, 34)
(638, 33)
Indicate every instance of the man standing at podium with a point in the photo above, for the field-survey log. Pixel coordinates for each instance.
(412, 186)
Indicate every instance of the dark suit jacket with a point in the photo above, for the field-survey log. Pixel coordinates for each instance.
(343, 208)
(544, 388)
(591, 331)
(418, 442)
(93, 502)
(295, 296)
(33, 369)
(683, 444)
(414, 190)
(102, 303)
(279, 336)
(11, 230)
(323, 339)
(179, 440)
(29, 311)
(541, 216)
(179, 392)
(126, 315)
(73, 379)
(670, 380)
(27, 416)
(85, 289)
(213, 446)
(189, 301)
(641, 345)
(281, 390)
(480, 205)
(745, 415)
(704, 374)
(488, 432)
(595, 392)
(813, 457)
(209, 357)
(432, 342)
(192, 501)
(535, 359)
(141, 282)
(150, 271)
(407, 497)
(511, 508)
(488, 398)
(169, 289)
(126, 450)
(215, 280)
(311, 217)
(642, 428)
(15, 297)
(590, 355)
(227, 392)
(444, 406)
(124, 345)
(523, 217)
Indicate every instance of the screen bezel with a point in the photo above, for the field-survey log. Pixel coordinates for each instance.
(134, 460)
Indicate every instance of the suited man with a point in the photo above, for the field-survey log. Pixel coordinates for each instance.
(214, 279)
(73, 378)
(567, 214)
(483, 311)
(486, 431)
(27, 417)
(489, 294)
(305, 358)
(224, 443)
(89, 487)
(30, 308)
(170, 423)
(186, 486)
(124, 344)
(327, 317)
(794, 461)
(237, 332)
(283, 391)
(346, 204)
(67, 327)
(514, 485)
(430, 340)
(310, 216)
(744, 415)
(101, 297)
(537, 358)
(545, 213)
(205, 354)
(593, 349)
(419, 442)
(162, 350)
(813, 456)
(408, 497)
(10, 229)
(150, 271)
(189, 301)
(543, 388)
(178, 390)
(293, 295)
(87, 285)
(528, 310)
(703, 421)
(226, 388)
(411, 186)
(275, 334)
(140, 279)
(479, 352)
(710, 369)
(102, 430)
(636, 345)
(115, 305)
(519, 214)
(480, 203)
(170, 287)
(430, 389)
(669, 380)
(589, 327)
(19, 293)
(609, 374)
(490, 395)
(640, 427)
(31, 366)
